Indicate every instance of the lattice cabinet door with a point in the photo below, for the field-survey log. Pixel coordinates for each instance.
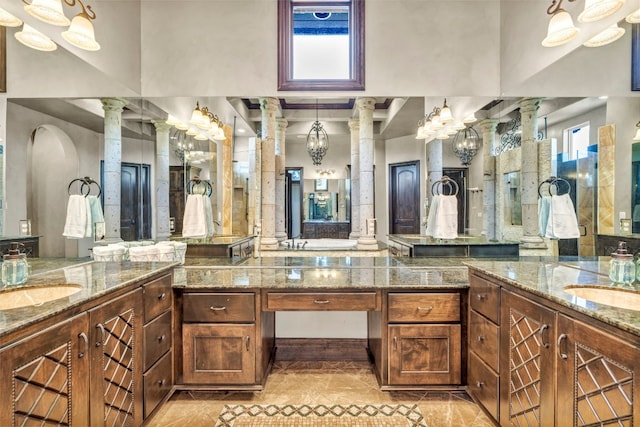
(526, 362)
(598, 373)
(44, 379)
(117, 361)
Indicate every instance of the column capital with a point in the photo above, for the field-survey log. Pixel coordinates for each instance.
(366, 103)
(489, 125)
(114, 104)
(269, 104)
(354, 124)
(161, 125)
(281, 124)
(529, 105)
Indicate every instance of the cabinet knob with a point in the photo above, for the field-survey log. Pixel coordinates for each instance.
(162, 296)
(161, 338)
(479, 384)
(480, 296)
(161, 382)
(480, 338)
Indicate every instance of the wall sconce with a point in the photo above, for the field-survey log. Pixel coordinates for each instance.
(439, 122)
(637, 137)
(323, 172)
(8, 20)
(561, 29)
(204, 124)
(34, 39)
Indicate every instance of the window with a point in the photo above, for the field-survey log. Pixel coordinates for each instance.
(576, 141)
(321, 45)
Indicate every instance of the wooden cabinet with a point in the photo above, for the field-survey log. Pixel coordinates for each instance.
(116, 361)
(45, 377)
(158, 332)
(325, 229)
(598, 379)
(484, 343)
(424, 339)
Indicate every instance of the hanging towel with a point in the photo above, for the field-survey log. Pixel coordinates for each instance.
(194, 224)
(95, 208)
(544, 203)
(431, 216)
(446, 224)
(75, 226)
(206, 201)
(562, 223)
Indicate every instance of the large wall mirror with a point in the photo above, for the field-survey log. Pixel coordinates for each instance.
(635, 187)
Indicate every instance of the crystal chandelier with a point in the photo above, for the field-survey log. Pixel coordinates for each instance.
(317, 141)
(466, 144)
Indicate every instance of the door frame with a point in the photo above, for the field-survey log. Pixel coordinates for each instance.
(288, 208)
(417, 191)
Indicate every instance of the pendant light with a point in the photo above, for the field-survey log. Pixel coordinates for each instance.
(317, 141)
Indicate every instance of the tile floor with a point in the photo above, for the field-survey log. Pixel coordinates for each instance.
(320, 383)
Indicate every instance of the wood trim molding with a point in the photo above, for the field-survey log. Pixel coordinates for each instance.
(635, 57)
(3, 59)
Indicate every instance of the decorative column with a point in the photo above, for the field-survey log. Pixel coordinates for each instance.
(434, 170)
(269, 108)
(489, 127)
(281, 229)
(215, 187)
(161, 211)
(225, 204)
(253, 205)
(354, 127)
(112, 166)
(367, 238)
(529, 169)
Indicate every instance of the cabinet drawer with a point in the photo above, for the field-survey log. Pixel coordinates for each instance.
(321, 301)
(483, 385)
(424, 307)
(157, 297)
(484, 297)
(157, 339)
(219, 307)
(484, 339)
(157, 383)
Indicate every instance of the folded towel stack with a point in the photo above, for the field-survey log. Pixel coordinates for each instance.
(442, 220)
(82, 213)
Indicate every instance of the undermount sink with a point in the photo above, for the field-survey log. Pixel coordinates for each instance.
(34, 296)
(614, 297)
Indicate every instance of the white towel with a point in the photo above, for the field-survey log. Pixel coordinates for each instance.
(562, 223)
(95, 210)
(446, 225)
(194, 224)
(206, 201)
(78, 215)
(431, 216)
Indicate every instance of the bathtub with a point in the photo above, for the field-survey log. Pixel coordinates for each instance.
(321, 244)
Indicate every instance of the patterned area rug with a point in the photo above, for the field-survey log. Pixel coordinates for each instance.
(321, 416)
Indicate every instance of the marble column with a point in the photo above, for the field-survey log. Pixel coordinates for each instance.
(253, 202)
(529, 172)
(225, 203)
(161, 179)
(434, 170)
(112, 166)
(269, 108)
(488, 127)
(281, 229)
(367, 239)
(354, 127)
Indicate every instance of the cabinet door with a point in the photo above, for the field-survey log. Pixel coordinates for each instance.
(526, 362)
(597, 381)
(218, 353)
(45, 378)
(424, 354)
(116, 361)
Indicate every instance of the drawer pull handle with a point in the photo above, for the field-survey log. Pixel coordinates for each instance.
(247, 341)
(395, 342)
(161, 382)
(161, 338)
(479, 384)
(162, 296)
(85, 342)
(100, 329)
(218, 308)
(480, 338)
(561, 354)
(427, 309)
(321, 301)
(541, 333)
(481, 296)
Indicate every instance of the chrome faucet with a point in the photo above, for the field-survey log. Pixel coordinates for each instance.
(304, 244)
(293, 241)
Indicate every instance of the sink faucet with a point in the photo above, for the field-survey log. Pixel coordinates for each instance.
(293, 241)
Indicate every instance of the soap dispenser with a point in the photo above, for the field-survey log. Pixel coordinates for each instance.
(622, 269)
(15, 270)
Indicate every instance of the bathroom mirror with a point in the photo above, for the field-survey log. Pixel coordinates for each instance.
(330, 205)
(635, 188)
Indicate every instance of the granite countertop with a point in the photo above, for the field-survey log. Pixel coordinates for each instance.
(94, 279)
(548, 278)
(214, 240)
(421, 239)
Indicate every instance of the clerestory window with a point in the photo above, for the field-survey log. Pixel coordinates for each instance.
(321, 45)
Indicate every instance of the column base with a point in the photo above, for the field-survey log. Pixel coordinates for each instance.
(532, 242)
(108, 240)
(281, 236)
(354, 235)
(163, 236)
(367, 243)
(268, 243)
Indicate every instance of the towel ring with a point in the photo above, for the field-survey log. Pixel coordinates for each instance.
(82, 187)
(437, 187)
(87, 182)
(207, 191)
(553, 182)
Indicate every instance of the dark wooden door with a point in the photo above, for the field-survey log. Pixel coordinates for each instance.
(176, 196)
(459, 175)
(404, 203)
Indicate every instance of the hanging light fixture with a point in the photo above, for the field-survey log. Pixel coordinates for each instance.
(8, 20)
(608, 35)
(633, 17)
(466, 144)
(34, 39)
(317, 141)
(49, 11)
(637, 137)
(595, 10)
(561, 29)
(439, 119)
(80, 34)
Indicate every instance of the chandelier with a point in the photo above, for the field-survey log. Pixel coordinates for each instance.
(466, 144)
(317, 141)
(187, 149)
(440, 124)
